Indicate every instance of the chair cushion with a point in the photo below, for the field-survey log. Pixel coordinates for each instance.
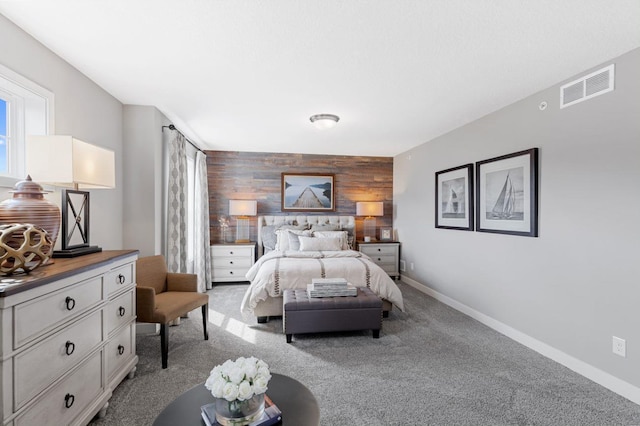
(172, 304)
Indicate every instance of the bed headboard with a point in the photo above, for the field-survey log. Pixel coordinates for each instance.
(347, 223)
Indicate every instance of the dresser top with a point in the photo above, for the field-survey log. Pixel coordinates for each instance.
(60, 268)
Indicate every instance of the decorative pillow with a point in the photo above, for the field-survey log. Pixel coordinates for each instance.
(326, 227)
(343, 236)
(282, 243)
(294, 242)
(316, 244)
(269, 237)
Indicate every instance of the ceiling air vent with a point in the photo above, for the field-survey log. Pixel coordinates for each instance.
(595, 84)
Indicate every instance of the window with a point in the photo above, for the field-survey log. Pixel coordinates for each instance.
(4, 119)
(25, 109)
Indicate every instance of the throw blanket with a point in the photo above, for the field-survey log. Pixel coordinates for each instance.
(277, 270)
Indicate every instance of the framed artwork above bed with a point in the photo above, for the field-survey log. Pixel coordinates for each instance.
(307, 192)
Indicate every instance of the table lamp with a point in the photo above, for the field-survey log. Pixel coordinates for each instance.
(67, 162)
(242, 209)
(370, 209)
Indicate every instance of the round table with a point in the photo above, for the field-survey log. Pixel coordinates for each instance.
(297, 403)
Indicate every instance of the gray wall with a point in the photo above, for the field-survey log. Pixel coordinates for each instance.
(143, 202)
(576, 285)
(83, 110)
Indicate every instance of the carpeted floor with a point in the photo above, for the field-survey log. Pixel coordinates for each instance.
(431, 366)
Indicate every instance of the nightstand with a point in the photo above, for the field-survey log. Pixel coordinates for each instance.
(231, 262)
(386, 254)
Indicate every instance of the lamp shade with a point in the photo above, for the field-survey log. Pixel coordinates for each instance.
(369, 208)
(69, 162)
(243, 207)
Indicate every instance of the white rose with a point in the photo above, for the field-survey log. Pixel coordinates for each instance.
(226, 366)
(245, 391)
(217, 387)
(261, 364)
(230, 391)
(250, 371)
(236, 375)
(262, 371)
(260, 385)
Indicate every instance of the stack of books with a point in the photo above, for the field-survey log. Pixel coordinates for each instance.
(330, 287)
(271, 416)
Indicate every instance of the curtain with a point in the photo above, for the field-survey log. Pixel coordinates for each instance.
(177, 205)
(202, 255)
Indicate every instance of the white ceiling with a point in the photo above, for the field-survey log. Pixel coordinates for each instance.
(246, 75)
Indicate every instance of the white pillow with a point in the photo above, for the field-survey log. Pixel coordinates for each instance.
(343, 236)
(316, 244)
(282, 239)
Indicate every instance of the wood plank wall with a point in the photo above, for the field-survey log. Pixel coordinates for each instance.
(257, 176)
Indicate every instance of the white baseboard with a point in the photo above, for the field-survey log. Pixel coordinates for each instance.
(147, 328)
(610, 382)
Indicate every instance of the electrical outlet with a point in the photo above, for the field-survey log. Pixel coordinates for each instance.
(412, 268)
(619, 346)
(403, 266)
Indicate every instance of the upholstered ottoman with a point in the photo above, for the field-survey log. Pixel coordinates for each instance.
(304, 314)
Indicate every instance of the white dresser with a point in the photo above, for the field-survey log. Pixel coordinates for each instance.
(68, 338)
(386, 254)
(231, 262)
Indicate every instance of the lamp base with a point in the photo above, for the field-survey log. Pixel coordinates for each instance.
(78, 251)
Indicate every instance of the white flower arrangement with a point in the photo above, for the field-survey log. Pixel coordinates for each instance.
(239, 380)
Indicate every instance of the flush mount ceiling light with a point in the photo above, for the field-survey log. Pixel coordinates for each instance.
(324, 121)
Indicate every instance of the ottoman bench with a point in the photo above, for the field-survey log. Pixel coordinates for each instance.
(304, 314)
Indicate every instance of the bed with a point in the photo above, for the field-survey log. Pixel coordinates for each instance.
(293, 249)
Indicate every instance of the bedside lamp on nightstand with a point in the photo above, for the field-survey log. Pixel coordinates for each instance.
(243, 209)
(370, 209)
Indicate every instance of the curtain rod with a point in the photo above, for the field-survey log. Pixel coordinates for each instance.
(172, 127)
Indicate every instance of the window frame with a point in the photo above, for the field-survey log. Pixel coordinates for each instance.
(31, 112)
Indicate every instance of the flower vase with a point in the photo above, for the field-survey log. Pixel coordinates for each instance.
(239, 413)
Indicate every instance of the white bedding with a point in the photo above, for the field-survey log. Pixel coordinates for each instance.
(279, 270)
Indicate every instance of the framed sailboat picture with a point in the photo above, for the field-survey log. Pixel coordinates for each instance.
(454, 198)
(507, 191)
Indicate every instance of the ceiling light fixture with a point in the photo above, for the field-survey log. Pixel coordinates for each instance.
(324, 121)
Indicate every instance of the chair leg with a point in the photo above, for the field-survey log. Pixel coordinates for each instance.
(205, 320)
(164, 343)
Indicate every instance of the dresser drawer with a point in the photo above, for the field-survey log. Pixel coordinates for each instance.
(375, 250)
(232, 262)
(381, 260)
(67, 399)
(230, 274)
(222, 251)
(120, 310)
(41, 314)
(40, 365)
(120, 278)
(119, 350)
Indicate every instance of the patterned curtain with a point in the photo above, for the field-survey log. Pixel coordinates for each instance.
(202, 255)
(177, 206)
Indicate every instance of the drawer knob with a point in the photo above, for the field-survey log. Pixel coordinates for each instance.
(231, 252)
(230, 272)
(121, 279)
(120, 349)
(231, 262)
(69, 347)
(70, 303)
(379, 249)
(121, 311)
(379, 260)
(69, 400)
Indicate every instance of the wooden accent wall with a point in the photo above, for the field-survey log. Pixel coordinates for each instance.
(257, 176)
